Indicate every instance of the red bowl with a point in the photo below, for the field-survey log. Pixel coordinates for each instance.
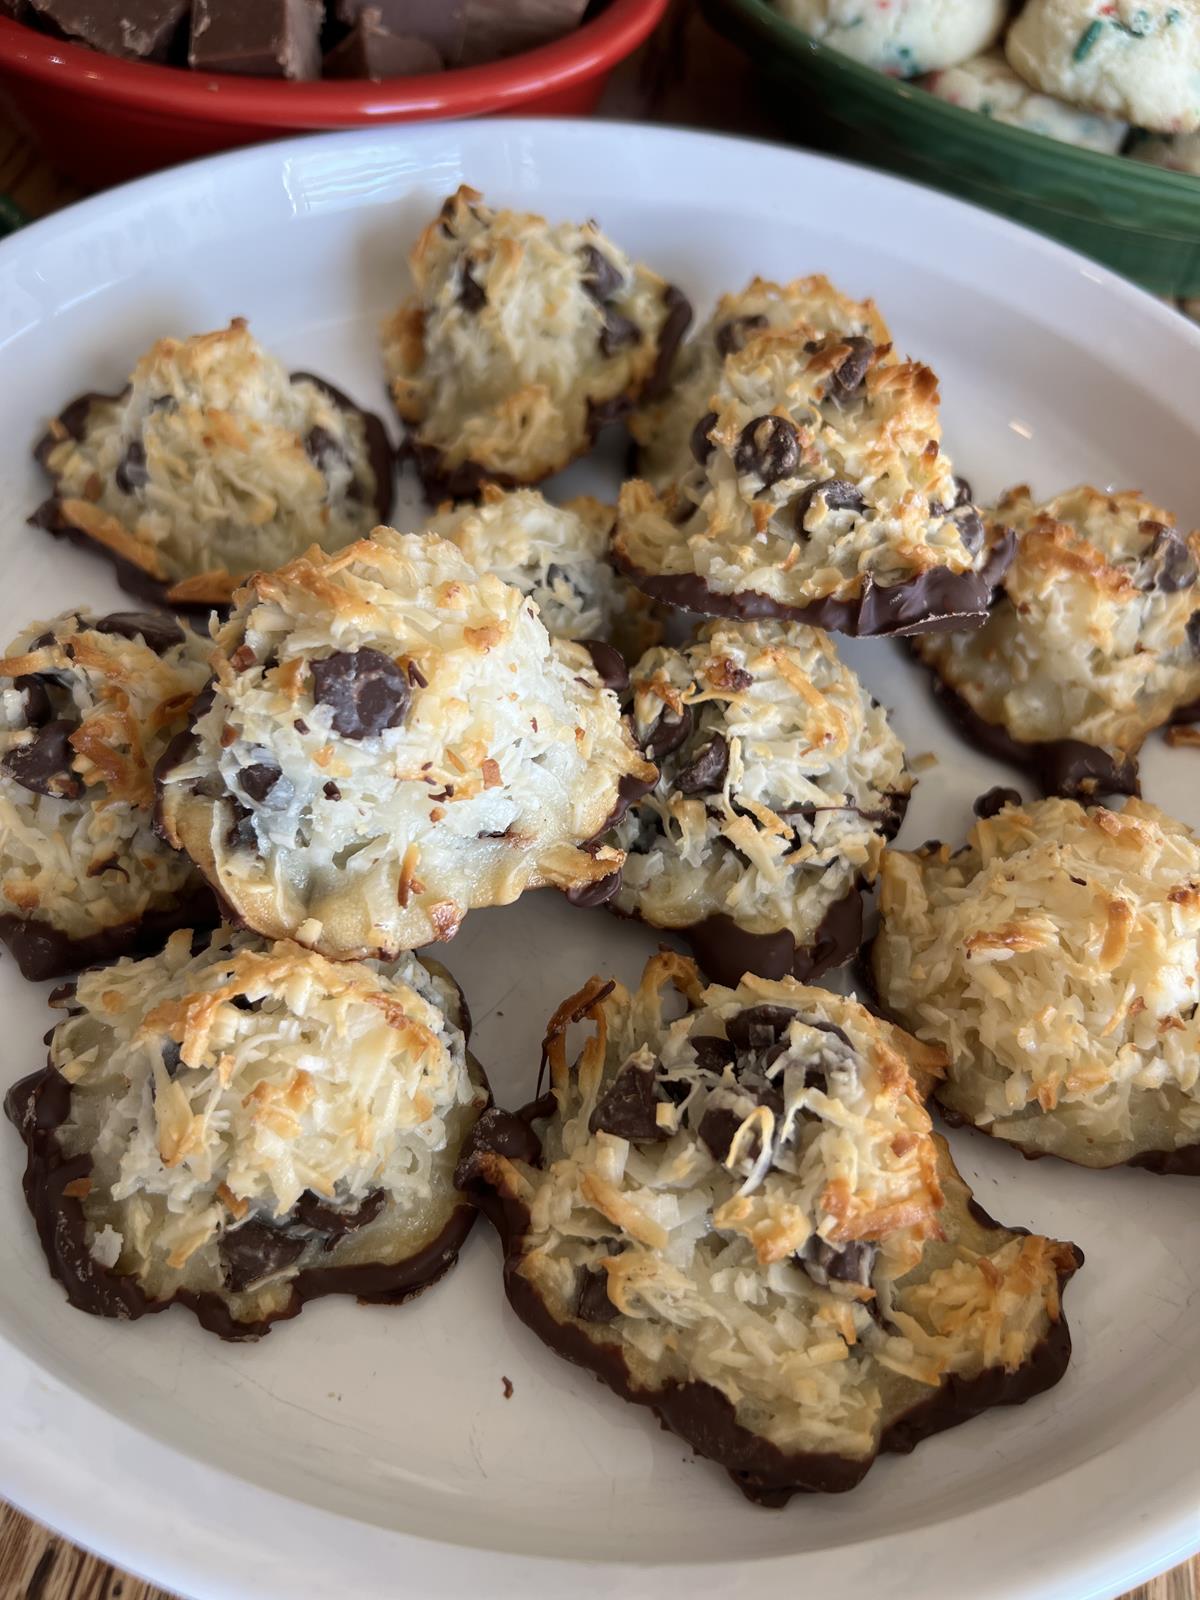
(100, 119)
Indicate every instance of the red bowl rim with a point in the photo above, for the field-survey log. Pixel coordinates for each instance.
(226, 97)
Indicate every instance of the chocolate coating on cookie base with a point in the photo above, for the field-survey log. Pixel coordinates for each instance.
(1066, 767)
(44, 951)
(141, 584)
(698, 1412)
(937, 601)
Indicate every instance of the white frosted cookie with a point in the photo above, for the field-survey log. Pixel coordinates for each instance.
(988, 84)
(558, 556)
(523, 337)
(1093, 641)
(740, 1217)
(781, 780)
(818, 491)
(663, 428)
(87, 706)
(1057, 959)
(394, 739)
(903, 37)
(1134, 59)
(1178, 153)
(241, 1127)
(211, 463)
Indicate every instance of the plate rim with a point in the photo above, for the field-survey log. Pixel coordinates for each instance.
(33, 1404)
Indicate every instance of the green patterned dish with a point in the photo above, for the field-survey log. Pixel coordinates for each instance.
(1141, 220)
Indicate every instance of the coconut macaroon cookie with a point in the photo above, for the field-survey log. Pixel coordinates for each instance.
(742, 1219)
(523, 337)
(558, 556)
(87, 706)
(244, 1127)
(211, 463)
(988, 85)
(1057, 958)
(818, 492)
(663, 428)
(1134, 59)
(781, 780)
(392, 740)
(905, 37)
(1093, 641)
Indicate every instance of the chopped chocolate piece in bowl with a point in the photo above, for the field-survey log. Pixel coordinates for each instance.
(766, 1244)
(480, 402)
(773, 807)
(268, 38)
(212, 463)
(1057, 958)
(87, 706)
(240, 1159)
(1089, 645)
(394, 739)
(816, 491)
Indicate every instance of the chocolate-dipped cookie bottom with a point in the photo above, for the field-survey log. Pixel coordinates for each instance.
(43, 951)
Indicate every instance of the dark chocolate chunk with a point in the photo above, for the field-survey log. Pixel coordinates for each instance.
(373, 50)
(243, 1002)
(600, 277)
(845, 384)
(472, 296)
(269, 39)
(132, 472)
(713, 1054)
(310, 1211)
(718, 1127)
(323, 450)
(619, 332)
(609, 664)
(626, 1108)
(825, 1263)
(255, 1251)
(768, 447)
(331, 791)
(439, 23)
(38, 709)
(241, 833)
(759, 1026)
(970, 529)
(679, 315)
(668, 733)
(172, 1056)
(141, 29)
(366, 689)
(706, 773)
(733, 335)
(259, 779)
(44, 765)
(995, 800)
(593, 1304)
(1167, 566)
(1193, 632)
(155, 628)
(700, 444)
(839, 493)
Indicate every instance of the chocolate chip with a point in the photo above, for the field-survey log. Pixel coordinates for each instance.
(366, 690)
(994, 801)
(311, 1211)
(609, 664)
(259, 779)
(768, 447)
(331, 791)
(1193, 632)
(706, 773)
(601, 279)
(626, 1108)
(472, 296)
(845, 383)
(839, 494)
(700, 444)
(155, 628)
(243, 1002)
(618, 333)
(733, 335)
(44, 766)
(759, 1026)
(593, 1304)
(255, 1251)
(323, 450)
(970, 529)
(717, 1129)
(1167, 566)
(172, 1056)
(241, 833)
(38, 709)
(713, 1053)
(824, 1262)
(132, 473)
(668, 733)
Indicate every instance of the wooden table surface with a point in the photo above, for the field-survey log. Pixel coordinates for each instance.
(35, 1564)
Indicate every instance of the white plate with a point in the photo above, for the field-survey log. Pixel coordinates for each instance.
(371, 1452)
